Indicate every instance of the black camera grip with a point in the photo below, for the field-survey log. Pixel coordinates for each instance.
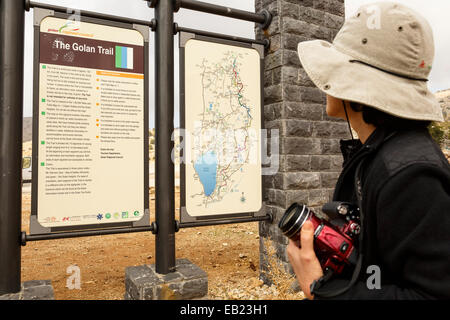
(331, 209)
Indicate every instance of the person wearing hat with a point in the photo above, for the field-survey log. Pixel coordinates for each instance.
(375, 76)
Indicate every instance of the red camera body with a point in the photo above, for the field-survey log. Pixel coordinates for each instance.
(334, 245)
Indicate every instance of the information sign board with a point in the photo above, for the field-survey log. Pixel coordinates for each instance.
(90, 141)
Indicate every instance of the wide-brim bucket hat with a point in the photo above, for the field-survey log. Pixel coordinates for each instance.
(381, 57)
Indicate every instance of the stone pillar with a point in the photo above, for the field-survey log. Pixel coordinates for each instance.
(310, 159)
(32, 290)
(188, 282)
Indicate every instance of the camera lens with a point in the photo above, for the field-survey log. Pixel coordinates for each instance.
(293, 219)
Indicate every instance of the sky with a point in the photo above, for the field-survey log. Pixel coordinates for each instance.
(435, 11)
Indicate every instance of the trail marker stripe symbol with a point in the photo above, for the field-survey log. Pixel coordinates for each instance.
(124, 57)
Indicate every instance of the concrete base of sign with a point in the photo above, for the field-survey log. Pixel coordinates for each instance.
(32, 290)
(187, 282)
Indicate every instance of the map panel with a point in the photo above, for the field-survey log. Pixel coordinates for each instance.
(223, 123)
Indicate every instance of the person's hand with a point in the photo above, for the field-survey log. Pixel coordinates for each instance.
(304, 260)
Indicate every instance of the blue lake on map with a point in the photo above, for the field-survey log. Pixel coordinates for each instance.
(206, 168)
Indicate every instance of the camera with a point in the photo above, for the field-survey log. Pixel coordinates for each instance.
(334, 240)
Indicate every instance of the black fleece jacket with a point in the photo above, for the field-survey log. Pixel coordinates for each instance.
(406, 206)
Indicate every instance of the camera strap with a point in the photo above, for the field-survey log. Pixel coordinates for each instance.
(317, 284)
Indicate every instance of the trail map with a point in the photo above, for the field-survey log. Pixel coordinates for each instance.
(223, 121)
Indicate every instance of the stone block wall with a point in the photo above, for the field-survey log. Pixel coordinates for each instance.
(310, 159)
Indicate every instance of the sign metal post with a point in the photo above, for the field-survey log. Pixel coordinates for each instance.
(164, 173)
(12, 19)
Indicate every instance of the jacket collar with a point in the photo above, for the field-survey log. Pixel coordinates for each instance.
(351, 148)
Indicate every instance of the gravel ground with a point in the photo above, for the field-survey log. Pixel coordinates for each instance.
(229, 254)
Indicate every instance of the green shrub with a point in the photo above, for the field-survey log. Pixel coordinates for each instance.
(438, 132)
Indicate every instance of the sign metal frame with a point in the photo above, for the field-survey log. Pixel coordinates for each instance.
(184, 37)
(35, 227)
